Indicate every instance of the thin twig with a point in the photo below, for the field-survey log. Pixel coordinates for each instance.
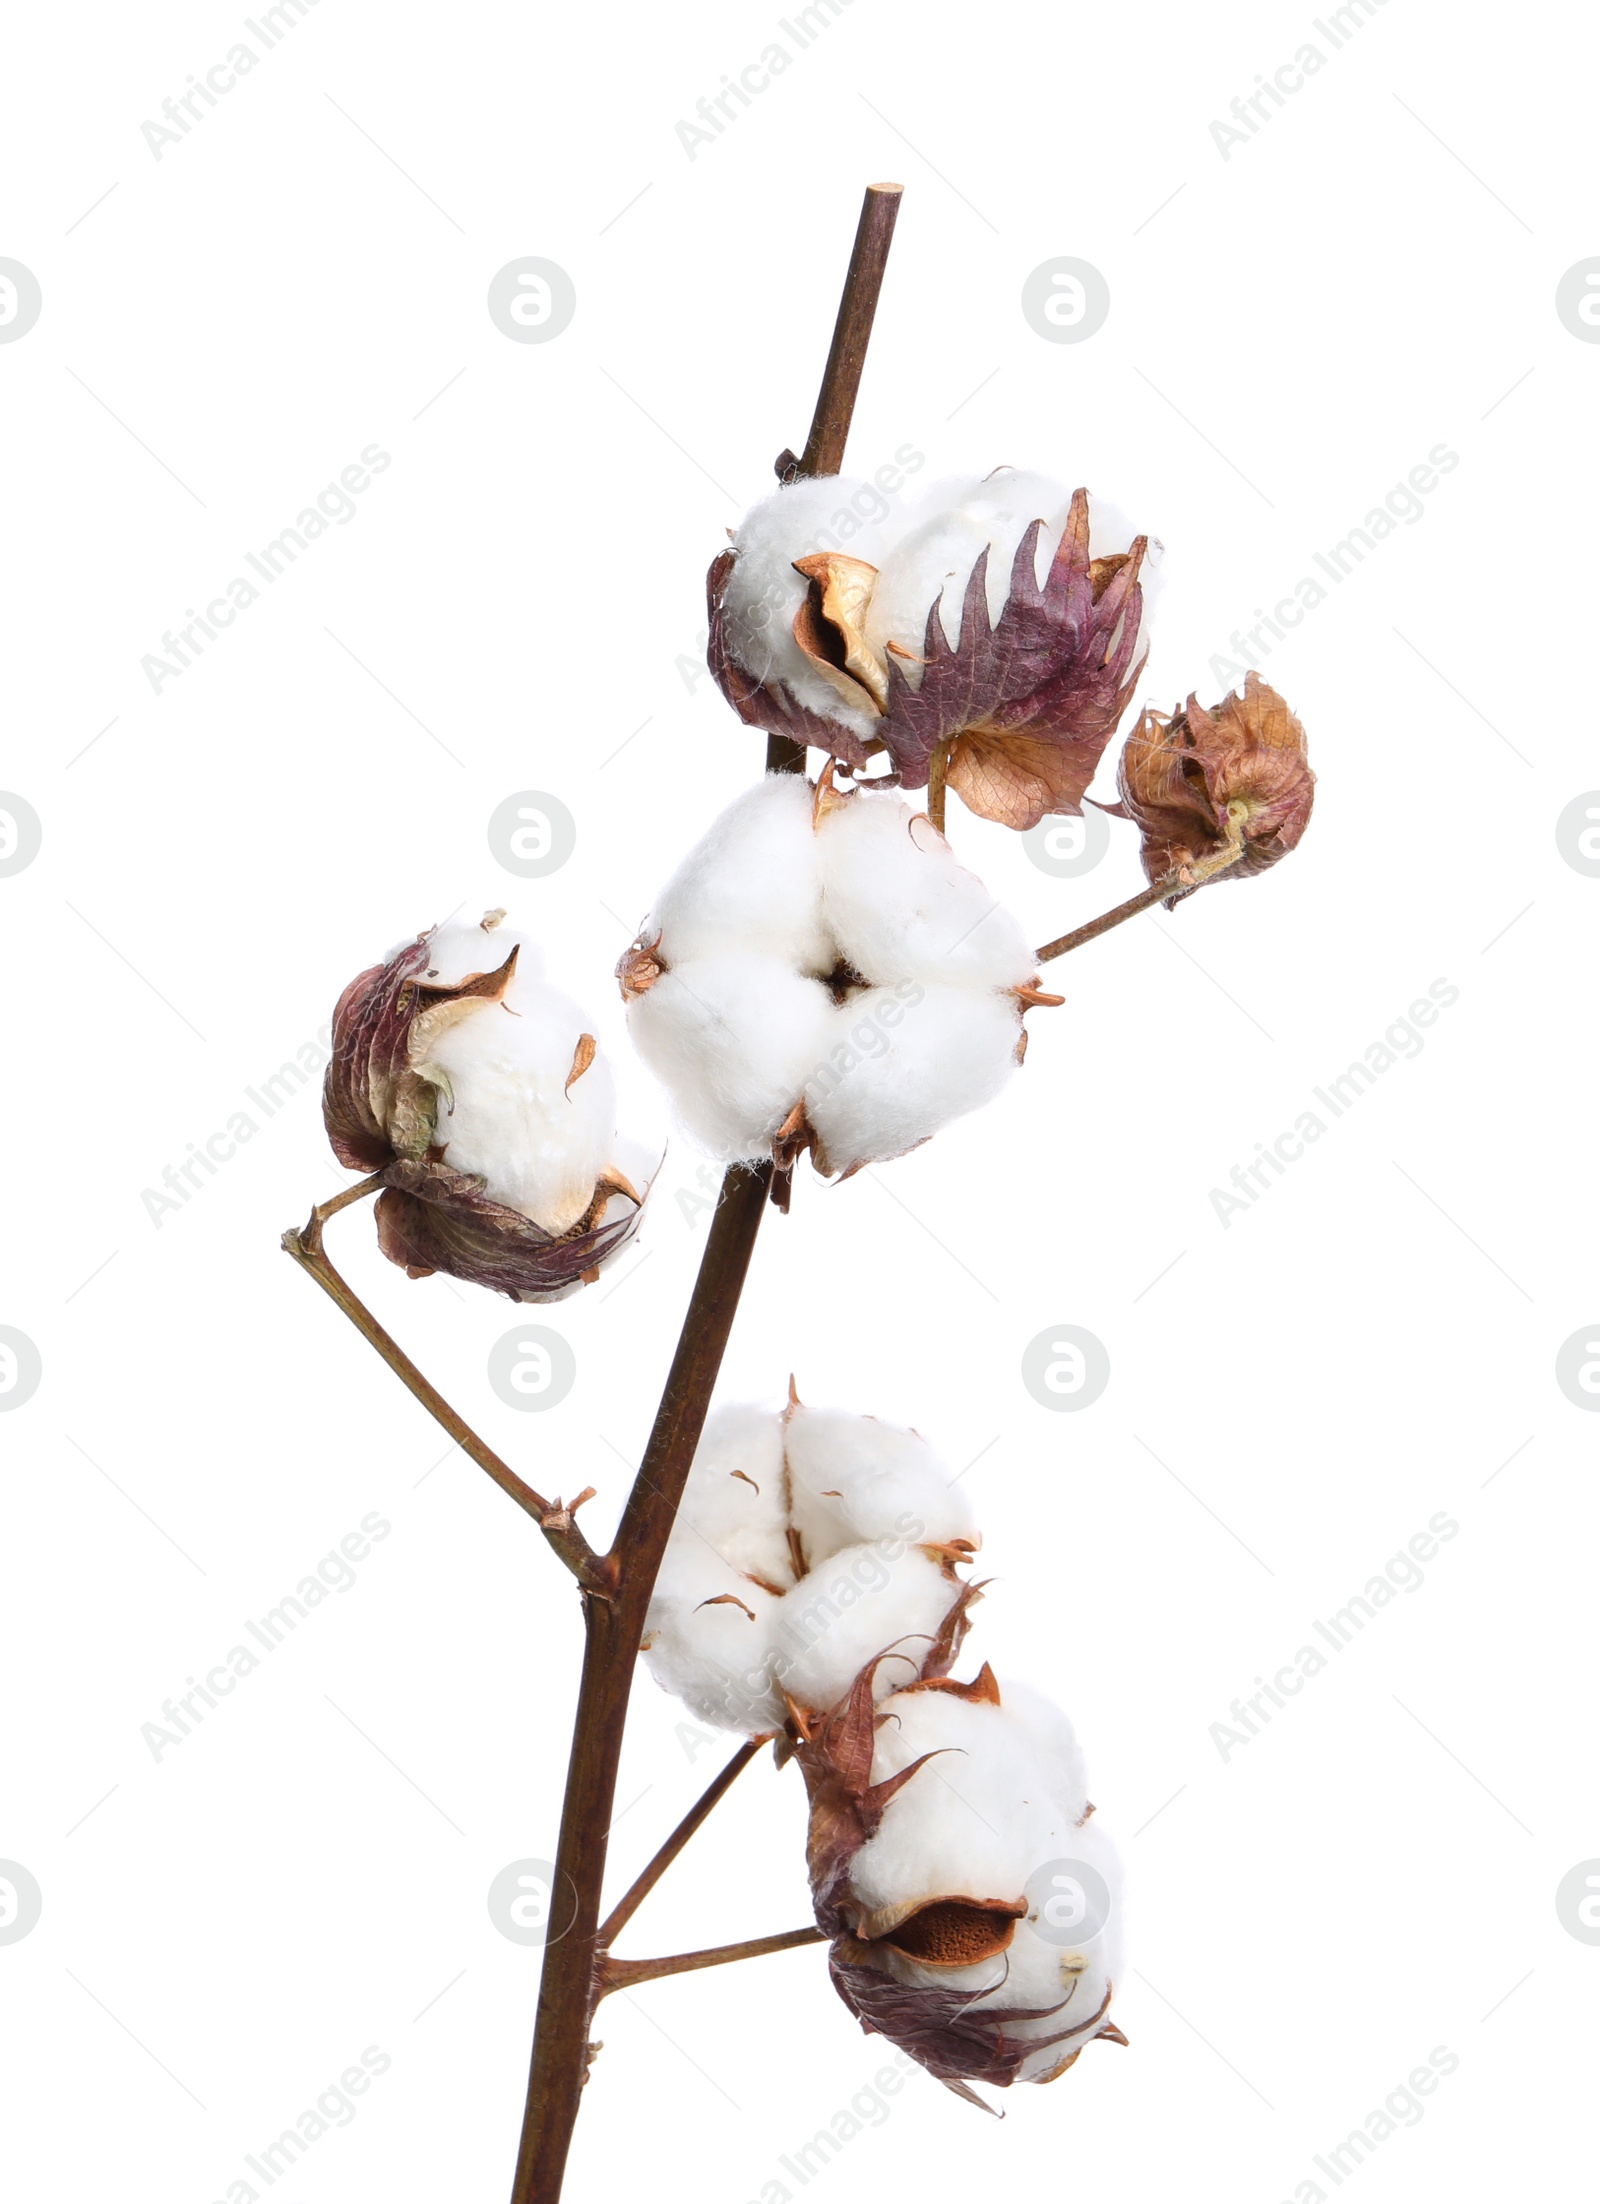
(622, 1974)
(628, 1905)
(1107, 919)
(938, 766)
(1183, 883)
(555, 1521)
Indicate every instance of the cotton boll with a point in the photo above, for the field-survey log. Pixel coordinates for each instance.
(507, 1110)
(901, 907)
(847, 1610)
(707, 1639)
(904, 1062)
(735, 1498)
(764, 592)
(749, 885)
(734, 1039)
(853, 1479)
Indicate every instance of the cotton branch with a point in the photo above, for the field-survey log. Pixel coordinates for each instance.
(553, 1518)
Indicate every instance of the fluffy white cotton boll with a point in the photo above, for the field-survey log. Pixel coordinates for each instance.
(707, 1639)
(853, 1479)
(735, 1498)
(975, 1831)
(506, 1109)
(903, 1062)
(750, 884)
(734, 1039)
(764, 592)
(900, 906)
(860, 1602)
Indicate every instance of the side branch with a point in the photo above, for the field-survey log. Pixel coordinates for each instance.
(621, 1974)
(554, 1520)
(1107, 919)
(628, 1905)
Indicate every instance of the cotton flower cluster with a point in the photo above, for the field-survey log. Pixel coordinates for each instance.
(479, 1092)
(806, 1545)
(812, 1588)
(995, 635)
(821, 972)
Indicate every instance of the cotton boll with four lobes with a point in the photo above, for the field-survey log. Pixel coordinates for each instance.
(904, 1062)
(734, 1040)
(708, 1638)
(901, 907)
(736, 1495)
(850, 1608)
(764, 592)
(853, 1479)
(525, 1099)
(825, 1611)
(749, 884)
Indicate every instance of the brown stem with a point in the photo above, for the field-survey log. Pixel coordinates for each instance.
(553, 1519)
(1175, 883)
(841, 379)
(1107, 919)
(628, 1905)
(621, 1974)
(938, 766)
(569, 1985)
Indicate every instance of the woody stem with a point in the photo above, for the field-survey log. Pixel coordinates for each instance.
(307, 1249)
(571, 1983)
(622, 1974)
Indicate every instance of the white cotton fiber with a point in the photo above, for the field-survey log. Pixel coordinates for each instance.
(846, 1610)
(764, 592)
(749, 884)
(904, 1062)
(707, 1639)
(736, 1495)
(459, 950)
(506, 1109)
(871, 1493)
(853, 1479)
(900, 906)
(734, 1039)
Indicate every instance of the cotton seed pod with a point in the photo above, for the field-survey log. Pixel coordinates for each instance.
(972, 1907)
(821, 973)
(479, 1093)
(1001, 633)
(807, 1545)
(1222, 793)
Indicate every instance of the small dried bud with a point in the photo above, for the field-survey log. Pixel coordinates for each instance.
(479, 1093)
(1216, 793)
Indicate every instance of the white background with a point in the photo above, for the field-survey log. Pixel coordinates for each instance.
(518, 605)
